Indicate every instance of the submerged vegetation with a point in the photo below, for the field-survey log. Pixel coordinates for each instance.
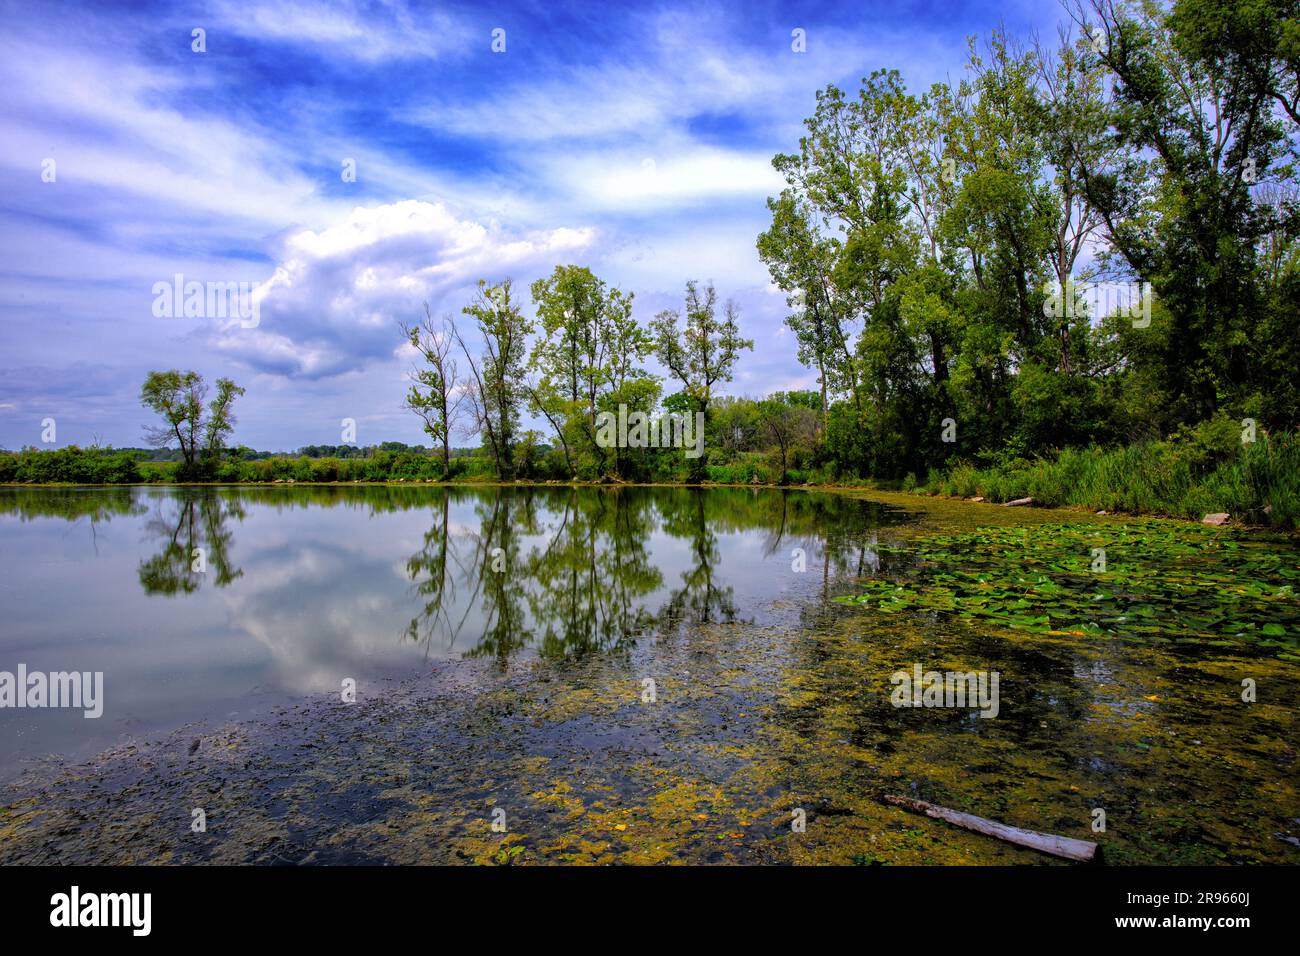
(554, 647)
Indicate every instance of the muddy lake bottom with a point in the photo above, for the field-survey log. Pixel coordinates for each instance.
(768, 708)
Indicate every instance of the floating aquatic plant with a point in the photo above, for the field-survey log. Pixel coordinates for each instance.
(1148, 578)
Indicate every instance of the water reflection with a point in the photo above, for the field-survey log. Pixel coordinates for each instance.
(568, 572)
(201, 601)
(572, 571)
(194, 528)
(562, 571)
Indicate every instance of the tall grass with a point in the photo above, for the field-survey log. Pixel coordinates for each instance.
(1258, 482)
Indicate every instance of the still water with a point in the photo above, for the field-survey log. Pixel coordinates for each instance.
(205, 603)
(638, 675)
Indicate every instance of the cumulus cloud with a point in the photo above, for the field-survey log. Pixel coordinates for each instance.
(336, 297)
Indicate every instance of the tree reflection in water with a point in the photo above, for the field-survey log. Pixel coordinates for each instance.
(193, 526)
(578, 572)
(565, 571)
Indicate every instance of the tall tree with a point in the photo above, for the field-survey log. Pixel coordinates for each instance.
(433, 395)
(703, 350)
(802, 263)
(221, 419)
(1198, 106)
(177, 397)
(587, 357)
(498, 377)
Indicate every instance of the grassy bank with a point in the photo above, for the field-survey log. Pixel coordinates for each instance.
(1256, 482)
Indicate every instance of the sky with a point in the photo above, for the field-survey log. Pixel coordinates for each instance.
(634, 139)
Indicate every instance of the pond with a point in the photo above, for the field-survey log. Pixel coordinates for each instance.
(552, 674)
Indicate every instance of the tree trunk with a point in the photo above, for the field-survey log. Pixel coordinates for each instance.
(1082, 850)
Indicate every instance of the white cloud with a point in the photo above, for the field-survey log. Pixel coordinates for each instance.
(680, 68)
(226, 168)
(337, 295)
(385, 31)
(674, 178)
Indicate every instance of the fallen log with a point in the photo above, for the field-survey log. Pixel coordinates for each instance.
(1019, 502)
(1084, 851)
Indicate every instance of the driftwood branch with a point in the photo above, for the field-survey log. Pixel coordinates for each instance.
(1083, 850)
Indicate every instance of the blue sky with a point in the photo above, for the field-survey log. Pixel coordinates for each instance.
(634, 139)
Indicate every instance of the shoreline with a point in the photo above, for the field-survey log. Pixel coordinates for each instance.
(518, 483)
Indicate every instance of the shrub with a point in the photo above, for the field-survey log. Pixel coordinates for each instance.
(75, 465)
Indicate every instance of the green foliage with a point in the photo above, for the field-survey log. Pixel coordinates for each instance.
(929, 245)
(701, 351)
(432, 395)
(497, 390)
(588, 360)
(920, 237)
(200, 433)
(74, 465)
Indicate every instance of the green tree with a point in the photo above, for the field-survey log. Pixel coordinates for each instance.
(786, 425)
(802, 263)
(587, 359)
(497, 387)
(177, 397)
(432, 395)
(702, 351)
(1199, 106)
(221, 419)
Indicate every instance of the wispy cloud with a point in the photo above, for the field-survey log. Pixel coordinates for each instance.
(373, 32)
